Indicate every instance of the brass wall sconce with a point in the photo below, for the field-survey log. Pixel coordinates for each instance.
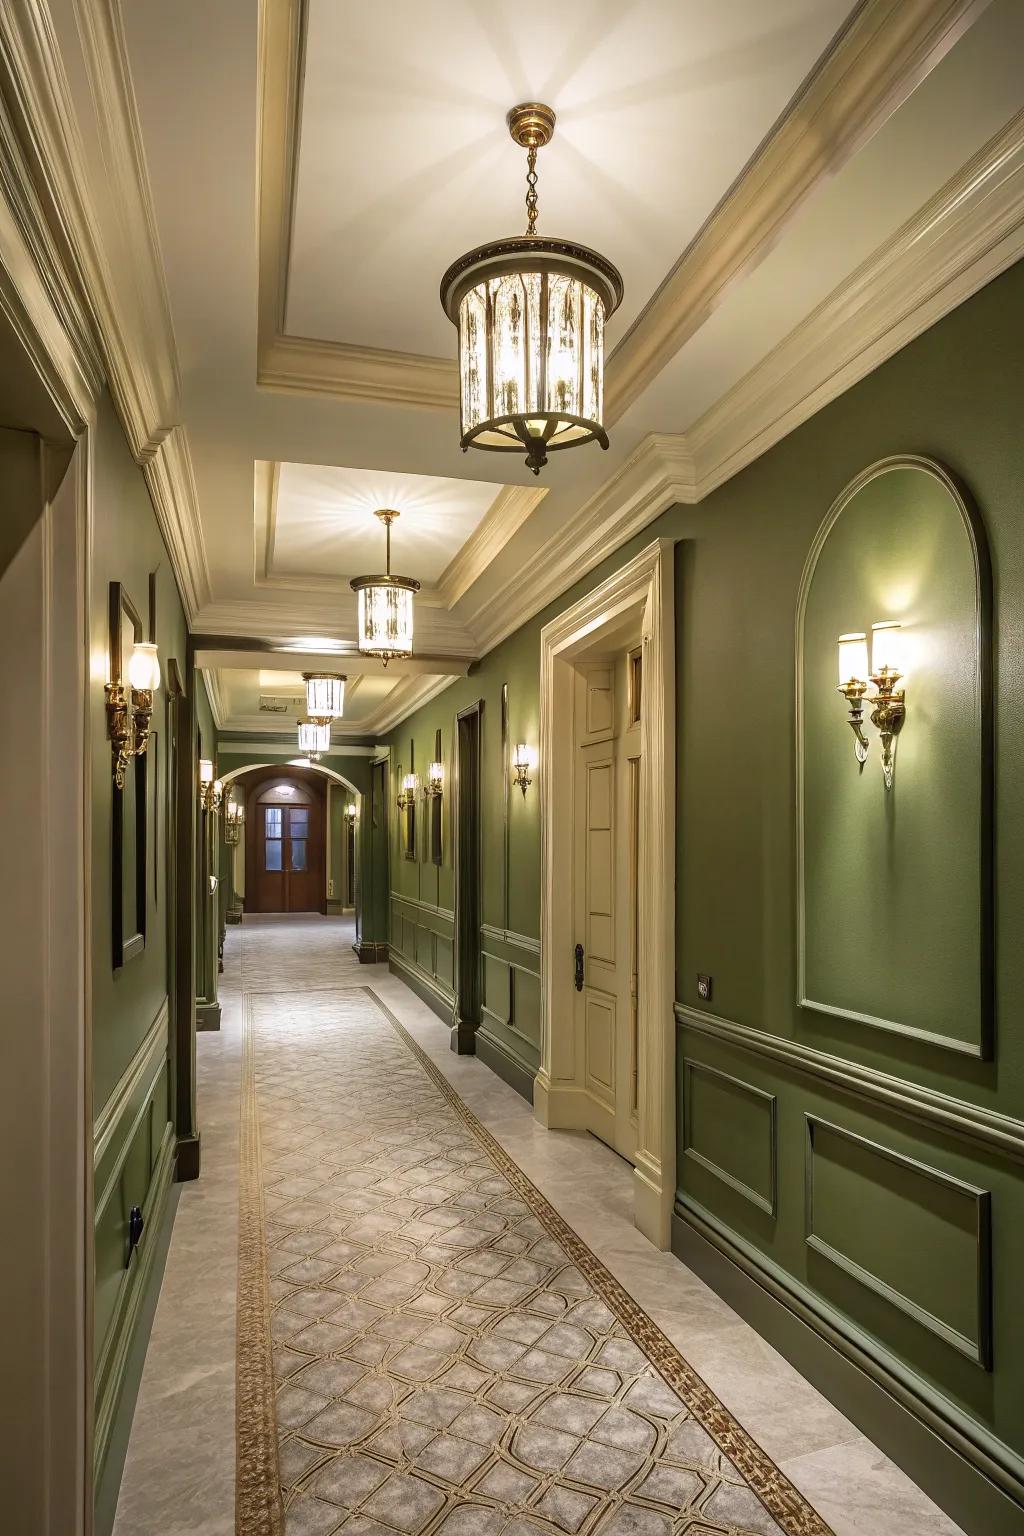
(407, 793)
(888, 702)
(130, 707)
(211, 789)
(234, 820)
(350, 810)
(522, 763)
(435, 781)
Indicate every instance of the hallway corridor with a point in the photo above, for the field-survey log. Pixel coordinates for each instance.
(447, 1356)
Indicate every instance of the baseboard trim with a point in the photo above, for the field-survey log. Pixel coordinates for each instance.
(425, 987)
(508, 1067)
(982, 1491)
(369, 953)
(187, 1158)
(207, 1016)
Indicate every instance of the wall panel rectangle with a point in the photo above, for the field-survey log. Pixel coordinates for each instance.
(913, 1234)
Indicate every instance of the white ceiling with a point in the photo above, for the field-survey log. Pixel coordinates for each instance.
(323, 522)
(405, 160)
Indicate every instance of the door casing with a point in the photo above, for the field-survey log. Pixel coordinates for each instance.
(644, 586)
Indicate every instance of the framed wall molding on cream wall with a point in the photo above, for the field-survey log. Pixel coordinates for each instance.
(644, 586)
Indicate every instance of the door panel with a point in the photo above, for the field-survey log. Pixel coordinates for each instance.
(604, 908)
(287, 851)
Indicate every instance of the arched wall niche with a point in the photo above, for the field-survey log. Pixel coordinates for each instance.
(894, 886)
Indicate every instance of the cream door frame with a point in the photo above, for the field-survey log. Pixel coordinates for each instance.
(646, 585)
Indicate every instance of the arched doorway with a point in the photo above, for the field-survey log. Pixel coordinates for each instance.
(285, 854)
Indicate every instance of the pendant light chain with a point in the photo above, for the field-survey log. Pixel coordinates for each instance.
(531, 190)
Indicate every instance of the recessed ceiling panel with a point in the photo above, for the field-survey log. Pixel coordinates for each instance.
(244, 694)
(405, 162)
(321, 520)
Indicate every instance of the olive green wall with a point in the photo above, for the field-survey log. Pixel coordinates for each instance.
(941, 1134)
(133, 1145)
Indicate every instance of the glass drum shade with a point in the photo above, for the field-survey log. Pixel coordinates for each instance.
(313, 737)
(325, 695)
(531, 315)
(385, 615)
(144, 667)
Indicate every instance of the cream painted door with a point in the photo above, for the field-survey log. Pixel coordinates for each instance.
(600, 885)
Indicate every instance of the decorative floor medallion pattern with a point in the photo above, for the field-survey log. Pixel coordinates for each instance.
(448, 1358)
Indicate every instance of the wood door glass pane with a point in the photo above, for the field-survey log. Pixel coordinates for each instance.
(272, 816)
(298, 854)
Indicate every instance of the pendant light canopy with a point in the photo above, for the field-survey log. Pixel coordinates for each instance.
(325, 696)
(530, 312)
(385, 606)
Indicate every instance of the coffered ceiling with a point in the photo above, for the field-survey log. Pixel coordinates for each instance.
(791, 191)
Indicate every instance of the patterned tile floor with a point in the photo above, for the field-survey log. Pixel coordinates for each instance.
(441, 1364)
(179, 1477)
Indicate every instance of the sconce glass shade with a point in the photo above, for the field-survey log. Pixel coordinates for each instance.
(350, 810)
(886, 649)
(435, 778)
(325, 695)
(314, 738)
(218, 790)
(522, 756)
(410, 783)
(144, 667)
(205, 771)
(853, 659)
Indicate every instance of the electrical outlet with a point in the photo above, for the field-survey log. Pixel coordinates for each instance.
(704, 988)
(330, 887)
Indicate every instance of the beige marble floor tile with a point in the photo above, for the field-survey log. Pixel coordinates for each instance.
(179, 1472)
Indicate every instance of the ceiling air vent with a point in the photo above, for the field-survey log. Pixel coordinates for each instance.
(272, 704)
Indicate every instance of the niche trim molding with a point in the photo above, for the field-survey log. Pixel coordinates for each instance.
(974, 527)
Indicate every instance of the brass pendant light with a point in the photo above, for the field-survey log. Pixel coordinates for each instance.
(385, 606)
(531, 313)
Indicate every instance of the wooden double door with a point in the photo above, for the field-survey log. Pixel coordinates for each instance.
(285, 858)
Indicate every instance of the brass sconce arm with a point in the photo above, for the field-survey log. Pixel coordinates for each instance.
(853, 693)
(887, 716)
(119, 729)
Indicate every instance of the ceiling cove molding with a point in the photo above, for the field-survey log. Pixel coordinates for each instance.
(503, 518)
(104, 277)
(213, 693)
(437, 631)
(37, 294)
(964, 236)
(295, 363)
(657, 475)
(887, 48)
(404, 701)
(239, 748)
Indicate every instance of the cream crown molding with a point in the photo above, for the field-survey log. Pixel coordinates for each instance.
(105, 278)
(410, 694)
(657, 475)
(873, 65)
(969, 232)
(503, 518)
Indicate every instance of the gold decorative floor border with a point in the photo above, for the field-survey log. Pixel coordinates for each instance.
(259, 1488)
(258, 1507)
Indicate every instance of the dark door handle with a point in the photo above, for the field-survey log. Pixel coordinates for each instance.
(579, 967)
